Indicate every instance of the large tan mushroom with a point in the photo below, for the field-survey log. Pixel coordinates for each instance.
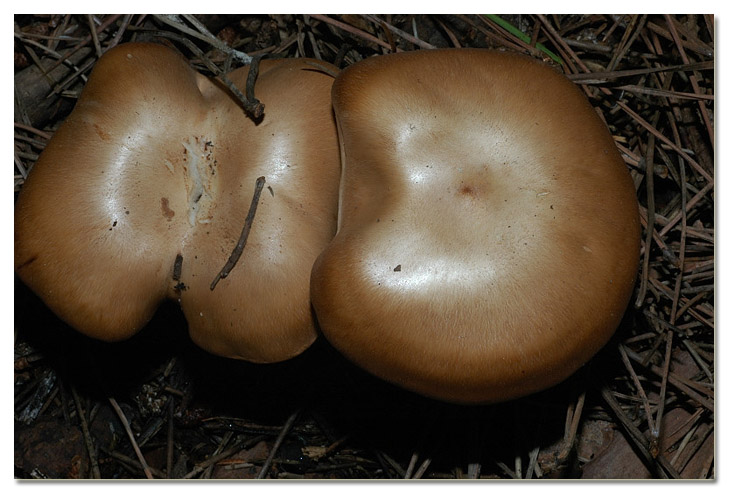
(488, 231)
(142, 194)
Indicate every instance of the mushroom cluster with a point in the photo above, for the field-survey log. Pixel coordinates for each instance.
(484, 246)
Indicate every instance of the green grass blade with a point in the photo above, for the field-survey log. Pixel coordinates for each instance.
(522, 36)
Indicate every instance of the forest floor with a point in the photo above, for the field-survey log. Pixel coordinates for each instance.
(157, 406)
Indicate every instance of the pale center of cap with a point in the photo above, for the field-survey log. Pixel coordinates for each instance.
(200, 182)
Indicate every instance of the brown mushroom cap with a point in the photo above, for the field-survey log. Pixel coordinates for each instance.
(158, 162)
(488, 231)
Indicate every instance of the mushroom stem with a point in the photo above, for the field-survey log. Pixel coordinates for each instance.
(238, 250)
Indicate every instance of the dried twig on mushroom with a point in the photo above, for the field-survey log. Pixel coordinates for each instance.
(238, 250)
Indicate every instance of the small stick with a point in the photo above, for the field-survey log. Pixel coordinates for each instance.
(630, 34)
(94, 35)
(238, 250)
(689, 453)
(284, 431)
(394, 464)
(688, 387)
(199, 468)
(473, 470)
(323, 69)
(108, 21)
(125, 423)
(533, 466)
(668, 94)
(32, 129)
(95, 473)
(692, 79)
(350, 29)
(507, 470)
(411, 465)
(627, 109)
(130, 464)
(224, 441)
(341, 53)
(256, 107)
(449, 33)
(572, 428)
(651, 212)
(636, 437)
(334, 446)
(170, 436)
(422, 470)
(663, 390)
(408, 37)
(599, 77)
(682, 245)
(666, 141)
(698, 359)
(315, 48)
(202, 34)
(653, 428)
(120, 32)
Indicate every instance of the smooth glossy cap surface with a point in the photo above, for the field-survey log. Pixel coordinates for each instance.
(488, 231)
(157, 162)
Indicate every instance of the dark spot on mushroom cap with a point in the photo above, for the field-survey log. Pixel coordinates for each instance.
(101, 133)
(166, 211)
(467, 190)
(473, 189)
